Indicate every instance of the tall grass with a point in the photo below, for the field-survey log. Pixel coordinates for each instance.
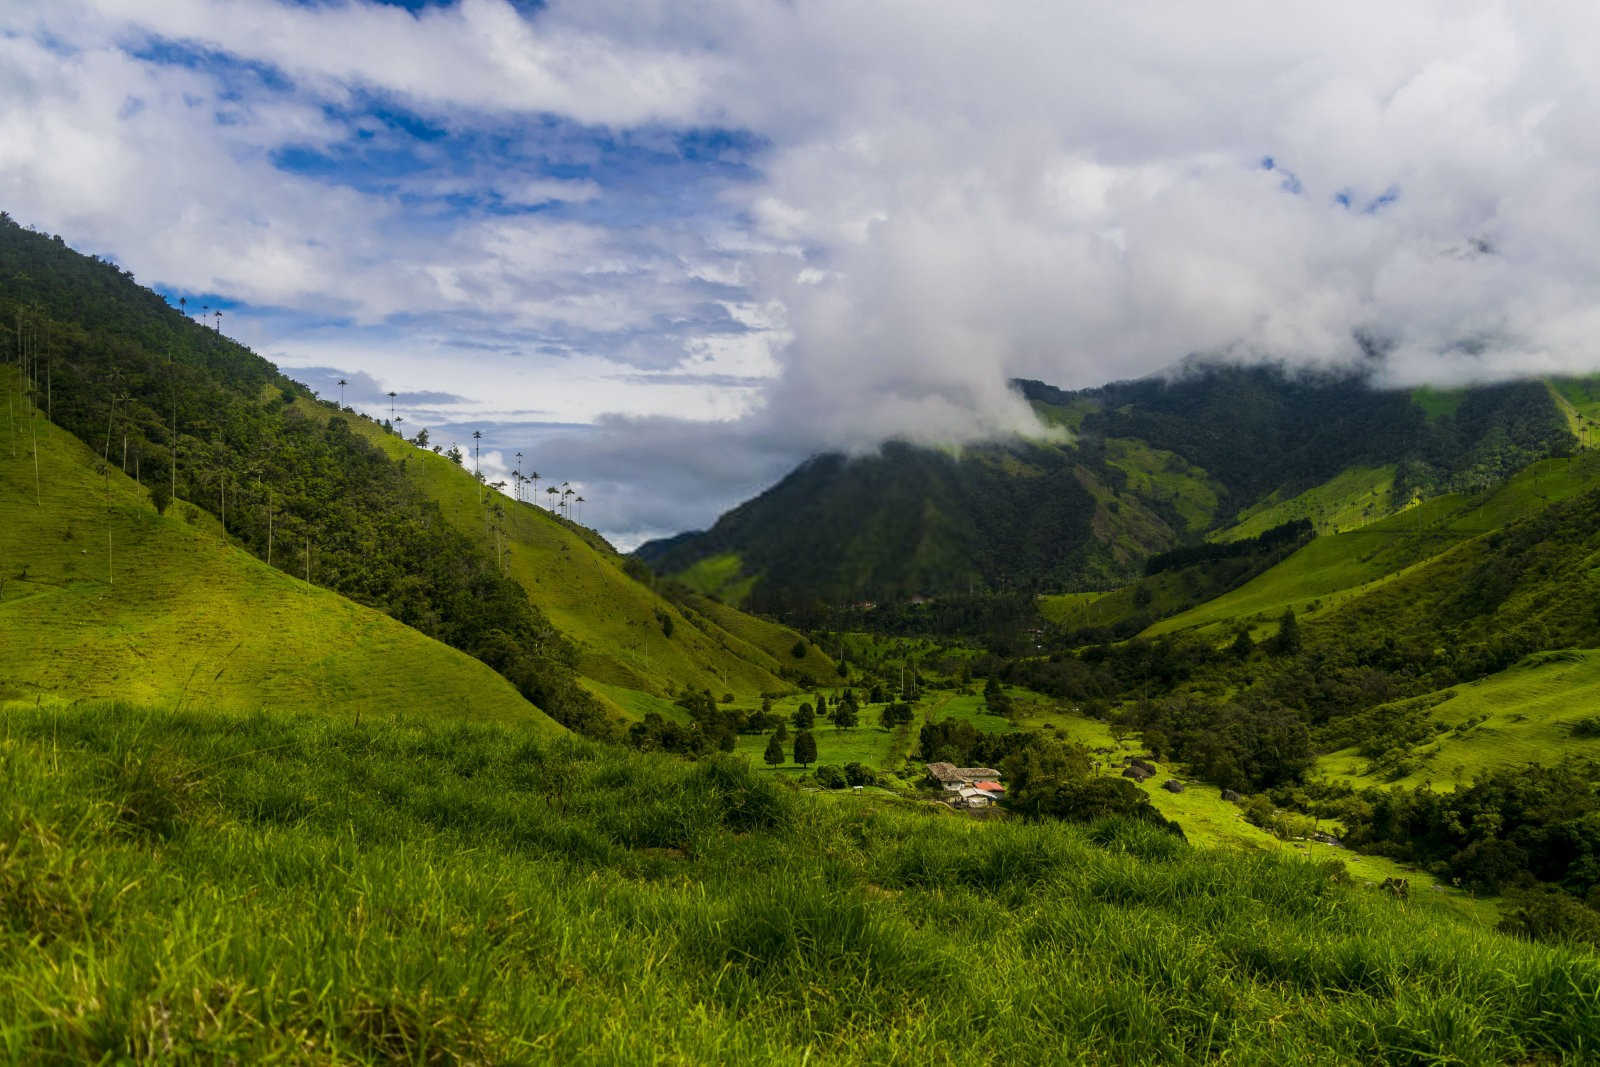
(202, 888)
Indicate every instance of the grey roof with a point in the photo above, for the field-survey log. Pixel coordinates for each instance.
(949, 772)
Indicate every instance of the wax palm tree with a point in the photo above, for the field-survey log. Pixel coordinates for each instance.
(533, 476)
(342, 384)
(391, 395)
(517, 475)
(551, 492)
(579, 502)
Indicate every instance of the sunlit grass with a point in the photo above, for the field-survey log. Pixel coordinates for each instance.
(206, 888)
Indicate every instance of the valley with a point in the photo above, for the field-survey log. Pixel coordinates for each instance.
(1328, 727)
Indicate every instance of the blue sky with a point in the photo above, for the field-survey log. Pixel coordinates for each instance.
(672, 249)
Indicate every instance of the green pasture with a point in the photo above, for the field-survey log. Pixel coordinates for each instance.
(1167, 478)
(720, 576)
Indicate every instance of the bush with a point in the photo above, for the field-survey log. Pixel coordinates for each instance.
(1589, 726)
(830, 777)
(856, 774)
(1551, 915)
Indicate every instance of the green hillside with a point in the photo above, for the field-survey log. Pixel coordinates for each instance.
(167, 613)
(207, 424)
(627, 634)
(1351, 499)
(1331, 570)
(1530, 713)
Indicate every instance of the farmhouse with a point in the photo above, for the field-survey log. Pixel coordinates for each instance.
(951, 778)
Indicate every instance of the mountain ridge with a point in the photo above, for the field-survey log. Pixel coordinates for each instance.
(1152, 464)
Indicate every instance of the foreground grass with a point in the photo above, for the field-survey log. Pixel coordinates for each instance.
(186, 888)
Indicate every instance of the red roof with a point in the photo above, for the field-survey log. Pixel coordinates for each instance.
(991, 787)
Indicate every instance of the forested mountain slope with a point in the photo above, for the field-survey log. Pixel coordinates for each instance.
(207, 427)
(1140, 468)
(101, 597)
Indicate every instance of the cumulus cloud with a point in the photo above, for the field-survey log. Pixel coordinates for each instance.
(804, 226)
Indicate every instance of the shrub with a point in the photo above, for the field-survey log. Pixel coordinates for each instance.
(1550, 915)
(830, 777)
(856, 774)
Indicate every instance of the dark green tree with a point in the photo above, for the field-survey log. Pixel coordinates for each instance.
(804, 717)
(1286, 642)
(774, 752)
(846, 714)
(805, 748)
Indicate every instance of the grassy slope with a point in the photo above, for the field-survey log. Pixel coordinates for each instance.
(1067, 609)
(1523, 715)
(1335, 569)
(1158, 475)
(1579, 400)
(763, 641)
(1351, 499)
(720, 576)
(574, 577)
(215, 889)
(189, 617)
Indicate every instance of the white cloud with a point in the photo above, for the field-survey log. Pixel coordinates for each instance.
(952, 194)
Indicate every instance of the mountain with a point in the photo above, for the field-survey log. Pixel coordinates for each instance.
(211, 436)
(1138, 468)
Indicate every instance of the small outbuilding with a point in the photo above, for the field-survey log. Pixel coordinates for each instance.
(969, 796)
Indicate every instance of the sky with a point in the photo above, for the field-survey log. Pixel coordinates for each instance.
(668, 250)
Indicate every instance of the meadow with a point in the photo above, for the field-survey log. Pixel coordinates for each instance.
(201, 888)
